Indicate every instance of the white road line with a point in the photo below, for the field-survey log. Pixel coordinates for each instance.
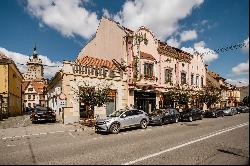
(95, 138)
(71, 130)
(25, 135)
(52, 132)
(10, 145)
(6, 137)
(43, 133)
(188, 143)
(59, 131)
(71, 134)
(35, 134)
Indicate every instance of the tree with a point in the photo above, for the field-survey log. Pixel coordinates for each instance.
(94, 96)
(246, 101)
(169, 99)
(182, 98)
(210, 95)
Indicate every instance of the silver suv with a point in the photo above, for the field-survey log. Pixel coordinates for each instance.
(122, 119)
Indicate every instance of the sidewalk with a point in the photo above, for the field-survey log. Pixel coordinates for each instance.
(22, 126)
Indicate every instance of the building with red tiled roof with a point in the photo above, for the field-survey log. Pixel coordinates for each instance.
(34, 93)
(141, 67)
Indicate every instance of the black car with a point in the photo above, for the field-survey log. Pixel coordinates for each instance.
(242, 109)
(163, 116)
(191, 114)
(214, 113)
(43, 114)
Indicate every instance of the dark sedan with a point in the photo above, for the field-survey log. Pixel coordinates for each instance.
(191, 114)
(163, 116)
(242, 109)
(214, 113)
(43, 114)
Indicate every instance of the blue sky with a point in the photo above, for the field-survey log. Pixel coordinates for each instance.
(61, 28)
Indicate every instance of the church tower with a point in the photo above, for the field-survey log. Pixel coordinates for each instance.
(35, 68)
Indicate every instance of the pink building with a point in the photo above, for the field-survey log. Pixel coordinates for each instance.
(151, 66)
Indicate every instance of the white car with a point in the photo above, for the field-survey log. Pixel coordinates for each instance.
(122, 119)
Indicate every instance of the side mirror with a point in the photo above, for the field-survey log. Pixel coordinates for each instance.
(123, 115)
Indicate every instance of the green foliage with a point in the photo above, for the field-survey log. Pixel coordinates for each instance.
(95, 96)
(182, 98)
(210, 96)
(246, 100)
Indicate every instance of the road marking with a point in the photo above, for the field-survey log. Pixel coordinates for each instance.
(95, 138)
(35, 134)
(6, 137)
(52, 132)
(10, 145)
(59, 131)
(43, 133)
(188, 143)
(71, 130)
(71, 134)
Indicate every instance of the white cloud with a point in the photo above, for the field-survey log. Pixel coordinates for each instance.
(200, 47)
(238, 82)
(68, 17)
(174, 42)
(188, 35)
(246, 49)
(160, 16)
(21, 60)
(242, 68)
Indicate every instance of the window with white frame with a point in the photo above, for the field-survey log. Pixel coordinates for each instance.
(148, 70)
(183, 78)
(197, 80)
(168, 75)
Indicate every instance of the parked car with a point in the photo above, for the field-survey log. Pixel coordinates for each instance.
(242, 109)
(245, 109)
(43, 114)
(120, 119)
(163, 116)
(214, 113)
(230, 111)
(191, 114)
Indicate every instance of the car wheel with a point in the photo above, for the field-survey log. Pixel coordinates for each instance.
(202, 117)
(115, 128)
(143, 124)
(161, 122)
(190, 119)
(222, 115)
(176, 120)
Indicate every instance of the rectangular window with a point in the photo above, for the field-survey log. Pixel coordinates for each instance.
(197, 80)
(30, 89)
(192, 79)
(201, 81)
(168, 76)
(183, 78)
(34, 97)
(29, 97)
(148, 70)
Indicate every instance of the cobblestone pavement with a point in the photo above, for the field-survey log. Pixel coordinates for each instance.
(22, 125)
(15, 122)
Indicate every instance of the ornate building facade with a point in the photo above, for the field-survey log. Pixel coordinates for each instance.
(34, 84)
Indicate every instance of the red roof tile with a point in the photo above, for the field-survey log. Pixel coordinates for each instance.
(90, 61)
(144, 55)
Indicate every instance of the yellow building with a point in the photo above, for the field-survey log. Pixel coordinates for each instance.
(10, 87)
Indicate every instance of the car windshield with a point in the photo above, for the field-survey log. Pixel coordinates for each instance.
(156, 112)
(41, 109)
(117, 113)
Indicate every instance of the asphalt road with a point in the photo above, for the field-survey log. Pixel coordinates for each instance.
(209, 141)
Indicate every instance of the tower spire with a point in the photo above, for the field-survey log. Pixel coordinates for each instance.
(34, 52)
